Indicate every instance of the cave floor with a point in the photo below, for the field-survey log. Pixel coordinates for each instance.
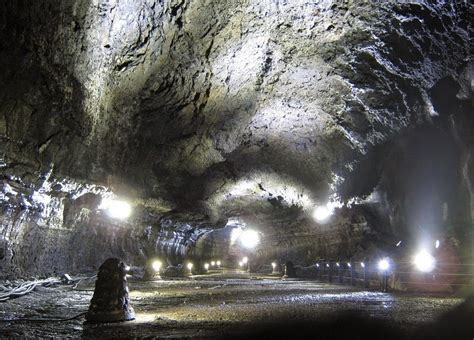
(223, 304)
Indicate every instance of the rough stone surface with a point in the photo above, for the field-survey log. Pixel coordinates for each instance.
(223, 307)
(206, 112)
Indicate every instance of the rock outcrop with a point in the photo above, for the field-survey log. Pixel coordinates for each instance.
(257, 111)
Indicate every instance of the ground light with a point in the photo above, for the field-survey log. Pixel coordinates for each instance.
(116, 208)
(213, 263)
(218, 263)
(383, 265)
(206, 266)
(156, 265)
(249, 238)
(424, 261)
(189, 266)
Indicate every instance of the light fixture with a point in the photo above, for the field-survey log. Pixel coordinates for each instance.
(189, 266)
(349, 264)
(383, 265)
(362, 264)
(274, 265)
(437, 244)
(206, 266)
(327, 265)
(249, 238)
(337, 264)
(156, 265)
(424, 261)
(218, 263)
(116, 209)
(317, 265)
(213, 263)
(127, 268)
(241, 263)
(245, 260)
(398, 243)
(322, 213)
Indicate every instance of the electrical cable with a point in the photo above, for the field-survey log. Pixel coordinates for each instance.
(44, 320)
(27, 287)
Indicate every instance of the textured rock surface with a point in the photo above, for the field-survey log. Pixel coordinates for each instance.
(252, 110)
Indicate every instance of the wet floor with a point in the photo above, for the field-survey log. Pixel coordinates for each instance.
(223, 304)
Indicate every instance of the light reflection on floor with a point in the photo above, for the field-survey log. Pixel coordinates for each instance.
(203, 306)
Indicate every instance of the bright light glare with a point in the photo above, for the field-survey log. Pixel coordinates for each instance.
(190, 266)
(424, 261)
(398, 243)
(206, 266)
(322, 213)
(245, 260)
(213, 263)
(241, 263)
(317, 265)
(383, 265)
(437, 244)
(274, 265)
(249, 238)
(218, 263)
(116, 209)
(156, 265)
(127, 268)
(348, 264)
(362, 264)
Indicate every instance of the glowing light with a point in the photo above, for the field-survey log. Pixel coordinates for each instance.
(398, 244)
(127, 268)
(362, 264)
(189, 266)
(321, 213)
(274, 265)
(424, 261)
(249, 238)
(317, 265)
(156, 265)
(349, 265)
(383, 265)
(327, 265)
(437, 244)
(241, 263)
(218, 263)
(245, 260)
(337, 264)
(206, 266)
(213, 263)
(116, 209)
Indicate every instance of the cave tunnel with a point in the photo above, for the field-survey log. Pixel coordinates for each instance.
(269, 169)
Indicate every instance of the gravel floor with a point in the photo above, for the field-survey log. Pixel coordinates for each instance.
(230, 304)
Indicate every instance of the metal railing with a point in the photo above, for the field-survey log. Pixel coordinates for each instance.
(400, 275)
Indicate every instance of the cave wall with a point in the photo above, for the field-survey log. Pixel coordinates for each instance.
(255, 110)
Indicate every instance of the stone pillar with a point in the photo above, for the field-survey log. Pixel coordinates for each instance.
(290, 271)
(110, 302)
